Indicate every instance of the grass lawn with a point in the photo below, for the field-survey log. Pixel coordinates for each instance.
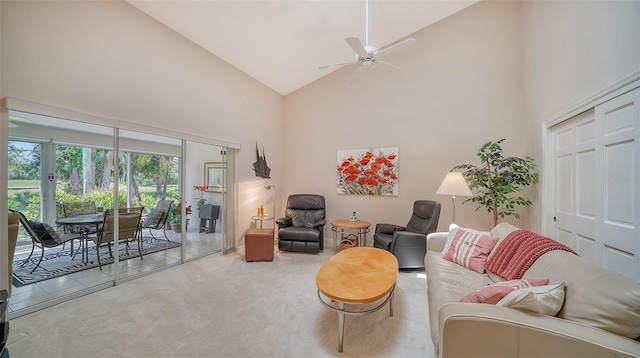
(23, 184)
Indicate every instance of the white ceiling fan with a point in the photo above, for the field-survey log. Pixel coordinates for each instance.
(368, 56)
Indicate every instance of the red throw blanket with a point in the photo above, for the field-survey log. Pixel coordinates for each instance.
(519, 250)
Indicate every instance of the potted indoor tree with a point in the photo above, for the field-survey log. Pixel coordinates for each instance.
(497, 179)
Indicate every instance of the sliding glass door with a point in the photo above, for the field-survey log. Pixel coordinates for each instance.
(149, 175)
(24, 192)
(206, 185)
(122, 203)
(56, 165)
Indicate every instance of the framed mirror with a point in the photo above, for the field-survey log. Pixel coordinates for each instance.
(215, 177)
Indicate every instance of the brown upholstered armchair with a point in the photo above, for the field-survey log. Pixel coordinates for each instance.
(409, 243)
(302, 228)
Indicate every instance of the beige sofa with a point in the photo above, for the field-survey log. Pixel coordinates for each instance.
(600, 316)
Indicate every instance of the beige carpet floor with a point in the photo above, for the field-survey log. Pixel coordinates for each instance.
(221, 306)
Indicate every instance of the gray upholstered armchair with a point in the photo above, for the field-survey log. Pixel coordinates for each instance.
(409, 243)
(302, 228)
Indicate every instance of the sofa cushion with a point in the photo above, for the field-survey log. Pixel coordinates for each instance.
(494, 293)
(594, 295)
(545, 300)
(470, 249)
(501, 231)
(447, 271)
(448, 282)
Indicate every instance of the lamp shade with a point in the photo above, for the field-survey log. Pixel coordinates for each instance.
(454, 184)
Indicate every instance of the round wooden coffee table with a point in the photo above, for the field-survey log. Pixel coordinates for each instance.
(357, 276)
(361, 228)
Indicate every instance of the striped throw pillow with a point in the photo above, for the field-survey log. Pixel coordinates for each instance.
(470, 249)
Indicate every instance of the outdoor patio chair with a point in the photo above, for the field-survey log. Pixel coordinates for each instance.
(128, 230)
(80, 208)
(157, 218)
(43, 236)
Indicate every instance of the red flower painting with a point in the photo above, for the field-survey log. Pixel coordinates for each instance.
(368, 171)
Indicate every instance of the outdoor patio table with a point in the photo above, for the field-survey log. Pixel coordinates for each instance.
(87, 219)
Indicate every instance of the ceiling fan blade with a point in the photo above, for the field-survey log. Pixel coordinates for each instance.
(324, 67)
(357, 74)
(395, 49)
(390, 64)
(356, 45)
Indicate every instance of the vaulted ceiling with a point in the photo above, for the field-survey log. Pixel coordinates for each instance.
(282, 43)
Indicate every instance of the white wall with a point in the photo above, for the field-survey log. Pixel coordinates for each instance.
(573, 49)
(106, 58)
(461, 88)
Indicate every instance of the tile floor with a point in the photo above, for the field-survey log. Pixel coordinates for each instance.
(41, 292)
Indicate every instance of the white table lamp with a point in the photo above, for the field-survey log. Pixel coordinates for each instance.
(454, 185)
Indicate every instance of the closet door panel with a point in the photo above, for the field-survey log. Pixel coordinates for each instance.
(619, 214)
(575, 170)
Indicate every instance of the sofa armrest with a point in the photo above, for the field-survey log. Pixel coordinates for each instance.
(494, 331)
(436, 241)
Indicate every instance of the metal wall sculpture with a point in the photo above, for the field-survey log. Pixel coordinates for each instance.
(260, 166)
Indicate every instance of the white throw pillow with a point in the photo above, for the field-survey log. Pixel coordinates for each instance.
(547, 300)
(453, 228)
(452, 233)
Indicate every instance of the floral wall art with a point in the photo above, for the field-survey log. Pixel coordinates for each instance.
(371, 171)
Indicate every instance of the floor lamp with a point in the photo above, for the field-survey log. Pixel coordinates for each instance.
(273, 198)
(454, 185)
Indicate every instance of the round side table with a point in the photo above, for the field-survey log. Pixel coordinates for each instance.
(260, 219)
(360, 227)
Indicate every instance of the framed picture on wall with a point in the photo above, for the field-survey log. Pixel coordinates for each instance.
(215, 177)
(368, 171)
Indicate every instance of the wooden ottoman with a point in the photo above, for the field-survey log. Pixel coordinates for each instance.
(258, 245)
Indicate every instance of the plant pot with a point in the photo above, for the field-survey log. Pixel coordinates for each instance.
(167, 226)
(176, 227)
